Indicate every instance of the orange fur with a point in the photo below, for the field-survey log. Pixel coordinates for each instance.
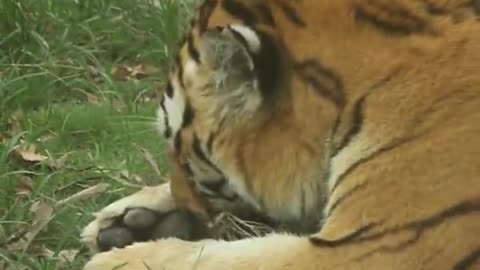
(183, 190)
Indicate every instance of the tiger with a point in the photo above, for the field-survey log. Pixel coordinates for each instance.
(354, 122)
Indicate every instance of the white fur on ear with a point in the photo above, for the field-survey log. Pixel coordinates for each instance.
(253, 42)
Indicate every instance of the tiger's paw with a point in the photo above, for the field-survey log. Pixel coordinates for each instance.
(146, 215)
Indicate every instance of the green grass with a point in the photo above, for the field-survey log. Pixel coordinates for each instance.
(58, 92)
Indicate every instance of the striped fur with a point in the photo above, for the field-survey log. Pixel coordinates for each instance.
(355, 123)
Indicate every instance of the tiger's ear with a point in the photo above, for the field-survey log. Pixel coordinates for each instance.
(228, 51)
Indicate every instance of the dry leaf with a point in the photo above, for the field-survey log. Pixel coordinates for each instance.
(65, 257)
(128, 176)
(57, 163)
(148, 157)
(24, 186)
(151, 70)
(94, 73)
(142, 71)
(27, 154)
(121, 72)
(118, 104)
(42, 213)
(13, 123)
(138, 72)
(40, 251)
(47, 137)
(32, 157)
(92, 99)
(84, 194)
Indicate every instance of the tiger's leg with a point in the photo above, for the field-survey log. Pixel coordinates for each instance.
(452, 244)
(272, 252)
(281, 252)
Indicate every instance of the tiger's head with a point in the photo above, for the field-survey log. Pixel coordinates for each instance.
(222, 77)
(222, 83)
(228, 108)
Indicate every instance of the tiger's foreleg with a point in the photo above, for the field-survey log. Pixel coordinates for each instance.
(271, 252)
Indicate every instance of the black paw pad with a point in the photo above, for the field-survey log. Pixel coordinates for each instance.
(141, 224)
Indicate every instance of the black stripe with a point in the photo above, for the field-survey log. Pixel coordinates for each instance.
(460, 209)
(266, 14)
(356, 125)
(358, 163)
(319, 242)
(476, 6)
(188, 115)
(240, 11)
(468, 261)
(267, 66)
(213, 135)
(188, 169)
(215, 185)
(182, 41)
(210, 140)
(434, 9)
(396, 20)
(192, 50)
(346, 196)
(325, 81)
(291, 13)
(197, 149)
(246, 14)
(219, 196)
(419, 227)
(168, 130)
(357, 119)
(179, 66)
(177, 142)
(169, 90)
(204, 14)
(303, 202)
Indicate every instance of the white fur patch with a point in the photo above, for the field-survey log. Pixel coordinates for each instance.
(250, 36)
(190, 68)
(160, 122)
(174, 108)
